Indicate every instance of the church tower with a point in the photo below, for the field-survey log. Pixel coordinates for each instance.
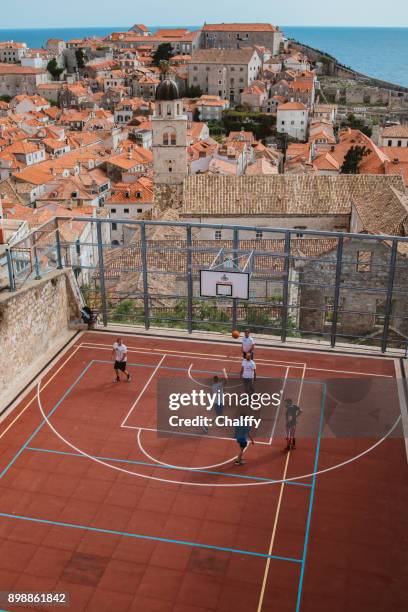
(169, 136)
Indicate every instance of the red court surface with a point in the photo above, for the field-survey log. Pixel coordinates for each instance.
(95, 504)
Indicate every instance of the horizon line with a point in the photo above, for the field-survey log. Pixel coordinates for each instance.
(68, 27)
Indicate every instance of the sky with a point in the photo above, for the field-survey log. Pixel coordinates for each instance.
(54, 13)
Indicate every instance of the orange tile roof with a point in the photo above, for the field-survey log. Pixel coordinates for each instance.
(290, 106)
(239, 27)
(17, 69)
(133, 193)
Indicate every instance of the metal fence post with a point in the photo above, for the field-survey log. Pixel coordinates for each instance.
(286, 269)
(189, 281)
(102, 287)
(336, 300)
(390, 287)
(235, 247)
(12, 282)
(145, 278)
(58, 247)
(36, 265)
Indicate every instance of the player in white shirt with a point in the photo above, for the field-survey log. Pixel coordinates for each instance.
(248, 373)
(248, 344)
(119, 352)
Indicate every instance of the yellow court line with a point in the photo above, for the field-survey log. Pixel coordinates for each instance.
(35, 397)
(275, 525)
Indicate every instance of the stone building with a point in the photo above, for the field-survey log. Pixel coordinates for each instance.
(224, 72)
(237, 35)
(16, 79)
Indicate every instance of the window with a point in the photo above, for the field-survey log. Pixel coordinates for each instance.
(218, 234)
(380, 311)
(195, 68)
(168, 110)
(258, 234)
(114, 226)
(126, 211)
(399, 143)
(300, 227)
(364, 261)
(390, 143)
(169, 137)
(139, 210)
(113, 210)
(219, 82)
(138, 194)
(328, 314)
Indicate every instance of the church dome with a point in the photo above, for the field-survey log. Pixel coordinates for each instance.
(167, 90)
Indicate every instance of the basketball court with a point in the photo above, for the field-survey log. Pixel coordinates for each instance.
(95, 502)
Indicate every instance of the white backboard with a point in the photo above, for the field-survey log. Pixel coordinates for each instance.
(216, 283)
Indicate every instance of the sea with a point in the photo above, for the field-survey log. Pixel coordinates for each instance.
(378, 52)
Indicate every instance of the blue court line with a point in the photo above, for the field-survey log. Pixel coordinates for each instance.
(309, 514)
(166, 467)
(140, 536)
(41, 425)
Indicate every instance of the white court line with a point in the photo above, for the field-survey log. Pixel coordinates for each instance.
(142, 391)
(201, 484)
(183, 467)
(295, 364)
(175, 433)
(185, 354)
(46, 385)
(271, 437)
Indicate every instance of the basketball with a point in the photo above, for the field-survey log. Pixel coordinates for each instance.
(235, 334)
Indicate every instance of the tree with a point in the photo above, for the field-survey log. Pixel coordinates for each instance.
(54, 70)
(163, 52)
(194, 91)
(353, 158)
(80, 58)
(357, 124)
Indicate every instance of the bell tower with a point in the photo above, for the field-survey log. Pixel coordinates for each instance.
(169, 136)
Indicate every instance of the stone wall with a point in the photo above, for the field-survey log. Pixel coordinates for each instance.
(32, 320)
(165, 197)
(362, 293)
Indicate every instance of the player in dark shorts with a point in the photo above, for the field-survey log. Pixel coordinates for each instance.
(292, 413)
(241, 435)
(119, 351)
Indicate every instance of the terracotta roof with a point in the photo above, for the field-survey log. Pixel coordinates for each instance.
(140, 192)
(170, 33)
(223, 56)
(396, 131)
(261, 167)
(17, 69)
(292, 106)
(239, 27)
(279, 195)
(384, 212)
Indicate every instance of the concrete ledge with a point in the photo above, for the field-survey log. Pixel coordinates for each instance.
(299, 344)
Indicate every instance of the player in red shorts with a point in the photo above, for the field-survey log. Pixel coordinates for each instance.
(292, 413)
